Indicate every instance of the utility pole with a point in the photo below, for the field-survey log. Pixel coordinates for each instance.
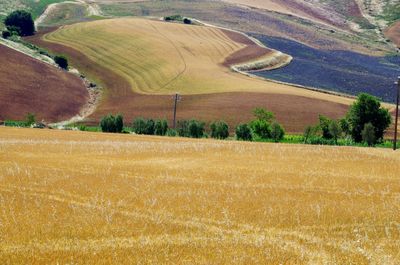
(177, 98)
(397, 113)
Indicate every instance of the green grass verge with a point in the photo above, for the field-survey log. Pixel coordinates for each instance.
(288, 138)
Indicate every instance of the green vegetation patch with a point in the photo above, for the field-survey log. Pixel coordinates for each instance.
(391, 13)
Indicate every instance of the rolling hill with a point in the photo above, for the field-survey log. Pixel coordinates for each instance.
(142, 62)
(29, 85)
(124, 199)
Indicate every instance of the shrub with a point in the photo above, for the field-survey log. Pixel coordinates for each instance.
(119, 123)
(112, 124)
(368, 134)
(30, 119)
(191, 128)
(196, 129)
(139, 126)
(324, 123)
(160, 127)
(171, 132)
(149, 127)
(263, 114)
(277, 132)
(261, 128)
(334, 130)
(243, 132)
(6, 34)
(61, 61)
(367, 109)
(182, 128)
(344, 126)
(21, 22)
(309, 132)
(219, 130)
(173, 18)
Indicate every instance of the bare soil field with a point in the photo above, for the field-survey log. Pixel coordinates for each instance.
(28, 85)
(94, 198)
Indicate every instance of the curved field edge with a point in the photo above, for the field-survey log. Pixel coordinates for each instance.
(232, 107)
(125, 198)
(158, 58)
(30, 85)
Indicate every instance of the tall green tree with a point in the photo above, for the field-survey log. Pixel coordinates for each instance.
(367, 109)
(21, 22)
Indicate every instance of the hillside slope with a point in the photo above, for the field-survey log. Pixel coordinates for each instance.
(141, 68)
(29, 85)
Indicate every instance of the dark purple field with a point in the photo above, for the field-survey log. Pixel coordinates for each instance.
(341, 71)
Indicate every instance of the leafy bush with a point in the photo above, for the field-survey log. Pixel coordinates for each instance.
(149, 127)
(219, 130)
(30, 119)
(6, 34)
(335, 130)
(309, 132)
(367, 109)
(243, 132)
(160, 127)
(139, 126)
(62, 61)
(182, 128)
(196, 129)
(277, 132)
(261, 128)
(171, 132)
(324, 123)
(191, 128)
(368, 134)
(21, 22)
(112, 124)
(119, 123)
(173, 18)
(264, 115)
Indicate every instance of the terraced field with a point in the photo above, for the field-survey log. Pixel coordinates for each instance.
(93, 198)
(136, 59)
(29, 85)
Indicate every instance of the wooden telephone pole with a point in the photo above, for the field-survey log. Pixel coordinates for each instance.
(177, 98)
(397, 113)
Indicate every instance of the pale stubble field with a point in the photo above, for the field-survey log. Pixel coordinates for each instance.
(93, 198)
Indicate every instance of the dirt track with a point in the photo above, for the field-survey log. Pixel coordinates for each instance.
(28, 85)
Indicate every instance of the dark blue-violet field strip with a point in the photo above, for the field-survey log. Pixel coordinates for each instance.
(340, 71)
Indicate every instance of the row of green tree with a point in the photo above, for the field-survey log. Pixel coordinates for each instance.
(366, 121)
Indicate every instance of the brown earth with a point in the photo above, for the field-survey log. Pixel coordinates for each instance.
(393, 33)
(293, 111)
(251, 52)
(28, 85)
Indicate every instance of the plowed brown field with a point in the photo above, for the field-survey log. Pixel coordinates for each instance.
(28, 85)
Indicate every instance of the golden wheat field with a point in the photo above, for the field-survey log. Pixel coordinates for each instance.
(159, 58)
(91, 198)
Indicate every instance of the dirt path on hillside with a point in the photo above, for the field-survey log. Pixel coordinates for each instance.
(87, 109)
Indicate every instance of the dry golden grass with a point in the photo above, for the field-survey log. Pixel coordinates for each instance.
(160, 58)
(92, 198)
